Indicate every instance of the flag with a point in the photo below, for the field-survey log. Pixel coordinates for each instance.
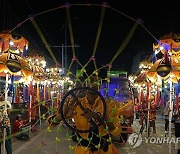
(24, 54)
(154, 58)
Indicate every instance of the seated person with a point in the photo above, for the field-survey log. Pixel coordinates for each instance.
(20, 127)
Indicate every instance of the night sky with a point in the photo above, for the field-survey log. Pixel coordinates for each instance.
(85, 21)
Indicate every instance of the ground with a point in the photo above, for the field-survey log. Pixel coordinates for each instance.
(44, 142)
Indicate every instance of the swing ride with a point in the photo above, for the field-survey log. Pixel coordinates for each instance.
(114, 99)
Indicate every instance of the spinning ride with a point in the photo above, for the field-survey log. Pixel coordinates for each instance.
(73, 94)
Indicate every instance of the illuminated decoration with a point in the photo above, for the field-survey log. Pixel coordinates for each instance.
(14, 64)
(168, 63)
(12, 42)
(145, 66)
(55, 84)
(175, 62)
(163, 69)
(12, 47)
(53, 73)
(38, 65)
(54, 78)
(170, 42)
(132, 77)
(142, 77)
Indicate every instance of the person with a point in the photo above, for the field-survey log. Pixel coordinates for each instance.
(143, 115)
(92, 102)
(137, 109)
(177, 125)
(20, 128)
(152, 113)
(5, 122)
(166, 116)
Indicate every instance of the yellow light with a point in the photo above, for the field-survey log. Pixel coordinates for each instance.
(161, 47)
(17, 51)
(11, 43)
(5, 71)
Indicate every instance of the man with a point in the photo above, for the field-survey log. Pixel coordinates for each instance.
(5, 121)
(166, 116)
(91, 102)
(143, 115)
(20, 128)
(152, 113)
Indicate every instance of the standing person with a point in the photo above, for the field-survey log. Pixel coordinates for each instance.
(152, 113)
(143, 115)
(166, 116)
(5, 122)
(177, 125)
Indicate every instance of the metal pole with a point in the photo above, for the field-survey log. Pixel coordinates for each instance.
(5, 112)
(170, 113)
(40, 123)
(39, 108)
(148, 119)
(148, 96)
(30, 106)
(65, 43)
(62, 56)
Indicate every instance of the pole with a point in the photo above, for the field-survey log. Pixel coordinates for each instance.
(148, 96)
(170, 113)
(40, 123)
(64, 52)
(148, 119)
(30, 112)
(65, 43)
(39, 106)
(52, 102)
(5, 109)
(30, 103)
(62, 46)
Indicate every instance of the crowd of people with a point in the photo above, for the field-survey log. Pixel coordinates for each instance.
(147, 113)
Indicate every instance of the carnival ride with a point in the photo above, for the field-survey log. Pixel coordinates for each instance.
(159, 75)
(50, 81)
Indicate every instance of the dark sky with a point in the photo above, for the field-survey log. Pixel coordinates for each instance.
(158, 19)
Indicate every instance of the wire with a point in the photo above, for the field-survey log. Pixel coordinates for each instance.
(44, 40)
(64, 6)
(42, 27)
(98, 34)
(70, 30)
(99, 31)
(125, 42)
